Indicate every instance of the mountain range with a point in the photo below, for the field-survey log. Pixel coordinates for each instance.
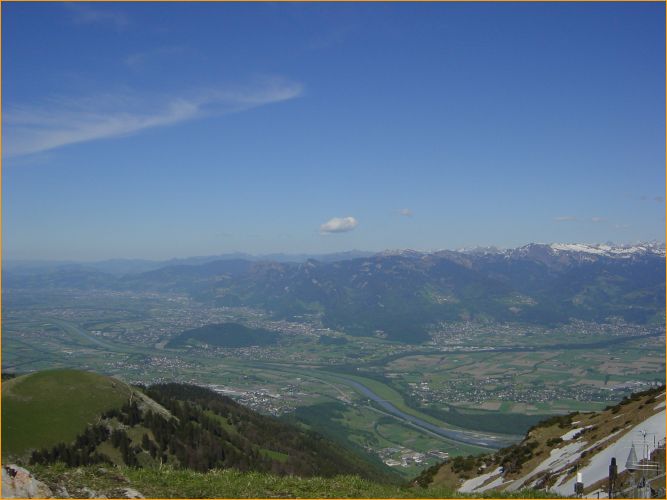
(403, 294)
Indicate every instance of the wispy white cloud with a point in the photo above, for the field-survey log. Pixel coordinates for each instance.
(58, 122)
(138, 60)
(405, 212)
(598, 219)
(565, 218)
(657, 199)
(339, 225)
(331, 37)
(85, 13)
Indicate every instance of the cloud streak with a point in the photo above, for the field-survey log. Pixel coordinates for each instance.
(338, 225)
(405, 212)
(87, 14)
(166, 54)
(565, 218)
(60, 122)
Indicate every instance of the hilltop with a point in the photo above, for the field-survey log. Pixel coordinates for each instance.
(45, 408)
(93, 436)
(555, 450)
(81, 418)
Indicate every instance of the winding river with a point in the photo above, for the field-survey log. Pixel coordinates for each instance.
(461, 436)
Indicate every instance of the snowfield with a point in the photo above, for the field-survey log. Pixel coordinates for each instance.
(471, 484)
(598, 468)
(609, 250)
(568, 436)
(561, 460)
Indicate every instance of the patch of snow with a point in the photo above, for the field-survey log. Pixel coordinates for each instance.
(606, 438)
(558, 458)
(598, 468)
(470, 485)
(558, 483)
(496, 483)
(624, 251)
(577, 247)
(561, 459)
(568, 436)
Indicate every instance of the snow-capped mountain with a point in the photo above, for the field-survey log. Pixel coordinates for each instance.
(598, 249)
(609, 250)
(404, 293)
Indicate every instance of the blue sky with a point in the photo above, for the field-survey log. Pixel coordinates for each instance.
(163, 130)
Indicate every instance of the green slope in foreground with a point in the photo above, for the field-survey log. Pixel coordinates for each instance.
(42, 409)
(230, 483)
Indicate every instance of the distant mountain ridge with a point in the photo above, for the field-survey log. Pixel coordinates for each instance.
(131, 266)
(404, 293)
(600, 249)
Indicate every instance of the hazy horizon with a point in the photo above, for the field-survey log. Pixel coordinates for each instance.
(295, 254)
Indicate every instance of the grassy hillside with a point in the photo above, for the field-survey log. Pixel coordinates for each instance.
(79, 418)
(170, 483)
(42, 409)
(176, 440)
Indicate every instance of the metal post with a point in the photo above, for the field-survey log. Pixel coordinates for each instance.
(579, 486)
(613, 474)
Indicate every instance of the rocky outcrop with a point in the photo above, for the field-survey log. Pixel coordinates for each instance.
(131, 493)
(17, 482)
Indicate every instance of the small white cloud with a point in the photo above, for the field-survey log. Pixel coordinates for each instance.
(338, 225)
(565, 218)
(405, 212)
(598, 219)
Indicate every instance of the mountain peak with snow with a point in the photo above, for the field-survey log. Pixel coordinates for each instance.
(610, 250)
(544, 250)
